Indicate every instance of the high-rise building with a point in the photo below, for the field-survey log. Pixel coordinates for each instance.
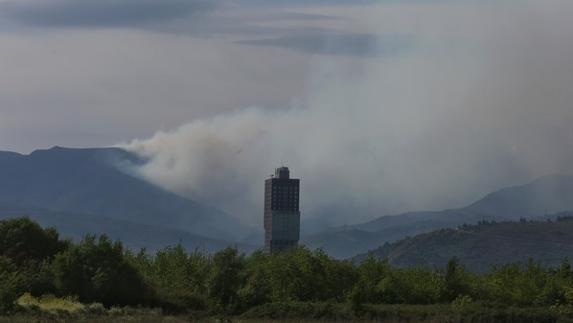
(282, 214)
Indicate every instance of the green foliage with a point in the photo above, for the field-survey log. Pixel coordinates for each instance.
(11, 284)
(25, 252)
(95, 270)
(257, 289)
(179, 279)
(462, 301)
(25, 241)
(225, 278)
(15, 280)
(457, 282)
(516, 285)
(411, 286)
(296, 275)
(293, 284)
(370, 273)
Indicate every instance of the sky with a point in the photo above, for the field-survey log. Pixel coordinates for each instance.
(380, 107)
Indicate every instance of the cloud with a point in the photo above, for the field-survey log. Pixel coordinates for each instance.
(484, 104)
(337, 43)
(331, 2)
(99, 13)
(480, 102)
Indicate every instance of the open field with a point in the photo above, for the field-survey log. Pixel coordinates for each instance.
(324, 312)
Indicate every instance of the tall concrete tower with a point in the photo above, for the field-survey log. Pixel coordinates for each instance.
(282, 214)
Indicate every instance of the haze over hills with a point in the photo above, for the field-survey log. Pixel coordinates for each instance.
(133, 235)
(82, 191)
(549, 194)
(479, 247)
(92, 190)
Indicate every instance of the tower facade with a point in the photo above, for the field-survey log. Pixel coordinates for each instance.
(282, 213)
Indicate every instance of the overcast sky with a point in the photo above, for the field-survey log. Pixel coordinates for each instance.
(72, 68)
(380, 106)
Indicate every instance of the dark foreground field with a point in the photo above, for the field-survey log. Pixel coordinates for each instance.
(319, 312)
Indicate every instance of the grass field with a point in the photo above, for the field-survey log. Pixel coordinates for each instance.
(302, 312)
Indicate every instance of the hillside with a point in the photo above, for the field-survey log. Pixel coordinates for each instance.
(549, 194)
(479, 247)
(96, 184)
(135, 236)
(546, 195)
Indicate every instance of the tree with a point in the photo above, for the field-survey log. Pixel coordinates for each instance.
(224, 280)
(26, 243)
(371, 272)
(411, 286)
(178, 278)
(457, 281)
(95, 270)
(29, 248)
(514, 284)
(11, 285)
(257, 288)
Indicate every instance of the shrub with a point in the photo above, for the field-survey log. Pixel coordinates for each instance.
(178, 278)
(96, 271)
(224, 280)
(25, 241)
(11, 284)
(51, 304)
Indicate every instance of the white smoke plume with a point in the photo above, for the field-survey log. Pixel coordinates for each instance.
(485, 100)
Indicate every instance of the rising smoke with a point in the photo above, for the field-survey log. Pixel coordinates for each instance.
(484, 100)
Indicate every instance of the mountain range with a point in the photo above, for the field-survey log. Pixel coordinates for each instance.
(96, 190)
(548, 194)
(82, 191)
(479, 247)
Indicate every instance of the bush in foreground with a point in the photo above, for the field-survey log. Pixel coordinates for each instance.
(296, 283)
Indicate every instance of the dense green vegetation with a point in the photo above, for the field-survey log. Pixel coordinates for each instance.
(97, 275)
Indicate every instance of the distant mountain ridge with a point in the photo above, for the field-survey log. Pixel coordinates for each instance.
(97, 183)
(548, 194)
(98, 186)
(545, 195)
(134, 236)
(479, 247)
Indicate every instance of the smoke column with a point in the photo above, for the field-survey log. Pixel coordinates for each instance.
(483, 101)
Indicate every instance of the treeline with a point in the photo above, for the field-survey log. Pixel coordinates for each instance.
(559, 217)
(96, 270)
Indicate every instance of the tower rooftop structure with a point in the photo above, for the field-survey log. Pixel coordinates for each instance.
(282, 172)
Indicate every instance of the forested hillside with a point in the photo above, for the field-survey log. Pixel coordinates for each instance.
(545, 195)
(481, 246)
